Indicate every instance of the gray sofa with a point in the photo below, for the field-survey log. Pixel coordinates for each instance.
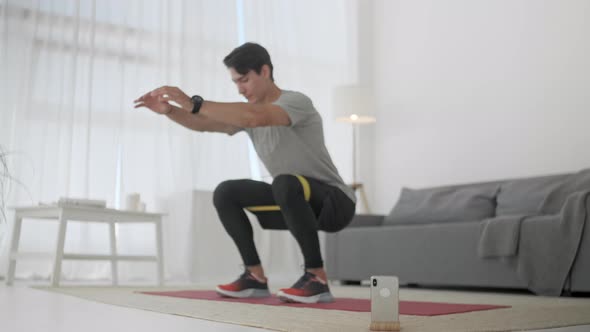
(524, 233)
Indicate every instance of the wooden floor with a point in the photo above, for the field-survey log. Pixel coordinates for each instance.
(29, 310)
(23, 309)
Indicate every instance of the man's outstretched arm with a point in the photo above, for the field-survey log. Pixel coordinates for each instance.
(241, 115)
(198, 122)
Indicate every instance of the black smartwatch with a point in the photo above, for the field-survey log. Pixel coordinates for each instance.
(197, 102)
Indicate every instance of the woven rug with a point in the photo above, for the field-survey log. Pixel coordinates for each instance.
(527, 312)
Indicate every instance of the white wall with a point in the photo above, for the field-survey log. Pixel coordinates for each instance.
(478, 90)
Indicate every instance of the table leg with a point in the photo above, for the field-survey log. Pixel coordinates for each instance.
(114, 270)
(59, 252)
(13, 249)
(364, 199)
(160, 252)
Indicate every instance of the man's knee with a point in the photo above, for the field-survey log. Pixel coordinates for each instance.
(285, 186)
(222, 193)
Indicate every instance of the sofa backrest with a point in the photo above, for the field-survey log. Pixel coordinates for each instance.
(444, 204)
(577, 182)
(475, 201)
(525, 196)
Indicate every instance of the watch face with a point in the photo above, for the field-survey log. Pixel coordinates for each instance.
(197, 102)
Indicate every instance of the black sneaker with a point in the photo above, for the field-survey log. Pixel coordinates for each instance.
(247, 285)
(308, 289)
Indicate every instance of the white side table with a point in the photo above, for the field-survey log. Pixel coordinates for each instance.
(83, 214)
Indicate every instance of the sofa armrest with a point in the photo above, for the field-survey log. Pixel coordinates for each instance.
(366, 220)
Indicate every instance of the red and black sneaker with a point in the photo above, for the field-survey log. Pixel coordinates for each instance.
(308, 289)
(247, 285)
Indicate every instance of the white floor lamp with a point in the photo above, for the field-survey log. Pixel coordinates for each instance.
(355, 105)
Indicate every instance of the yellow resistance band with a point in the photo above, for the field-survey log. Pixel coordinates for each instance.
(264, 208)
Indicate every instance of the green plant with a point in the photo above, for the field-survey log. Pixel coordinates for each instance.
(6, 181)
(4, 178)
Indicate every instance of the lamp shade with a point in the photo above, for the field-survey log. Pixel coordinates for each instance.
(354, 104)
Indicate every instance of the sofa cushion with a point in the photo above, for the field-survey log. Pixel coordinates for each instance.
(366, 220)
(525, 196)
(444, 204)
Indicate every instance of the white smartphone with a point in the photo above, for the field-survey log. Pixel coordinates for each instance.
(384, 300)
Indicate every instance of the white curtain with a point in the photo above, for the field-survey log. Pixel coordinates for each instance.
(69, 73)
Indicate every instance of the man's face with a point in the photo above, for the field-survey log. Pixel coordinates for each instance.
(251, 85)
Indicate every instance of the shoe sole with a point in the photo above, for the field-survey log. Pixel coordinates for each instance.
(246, 293)
(319, 298)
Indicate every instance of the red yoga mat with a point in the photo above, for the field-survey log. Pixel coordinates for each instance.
(348, 304)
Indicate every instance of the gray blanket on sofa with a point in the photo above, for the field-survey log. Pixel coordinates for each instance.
(545, 253)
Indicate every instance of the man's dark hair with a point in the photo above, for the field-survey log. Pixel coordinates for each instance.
(249, 56)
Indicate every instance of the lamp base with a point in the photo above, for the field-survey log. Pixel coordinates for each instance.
(359, 186)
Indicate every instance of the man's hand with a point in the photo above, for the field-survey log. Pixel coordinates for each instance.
(148, 101)
(174, 94)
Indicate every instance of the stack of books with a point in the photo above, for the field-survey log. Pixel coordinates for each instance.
(81, 202)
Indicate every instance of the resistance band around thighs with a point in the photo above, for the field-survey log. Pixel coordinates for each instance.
(264, 208)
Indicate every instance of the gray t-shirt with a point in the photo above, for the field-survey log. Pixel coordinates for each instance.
(298, 148)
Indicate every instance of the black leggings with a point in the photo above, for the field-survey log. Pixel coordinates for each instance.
(328, 209)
